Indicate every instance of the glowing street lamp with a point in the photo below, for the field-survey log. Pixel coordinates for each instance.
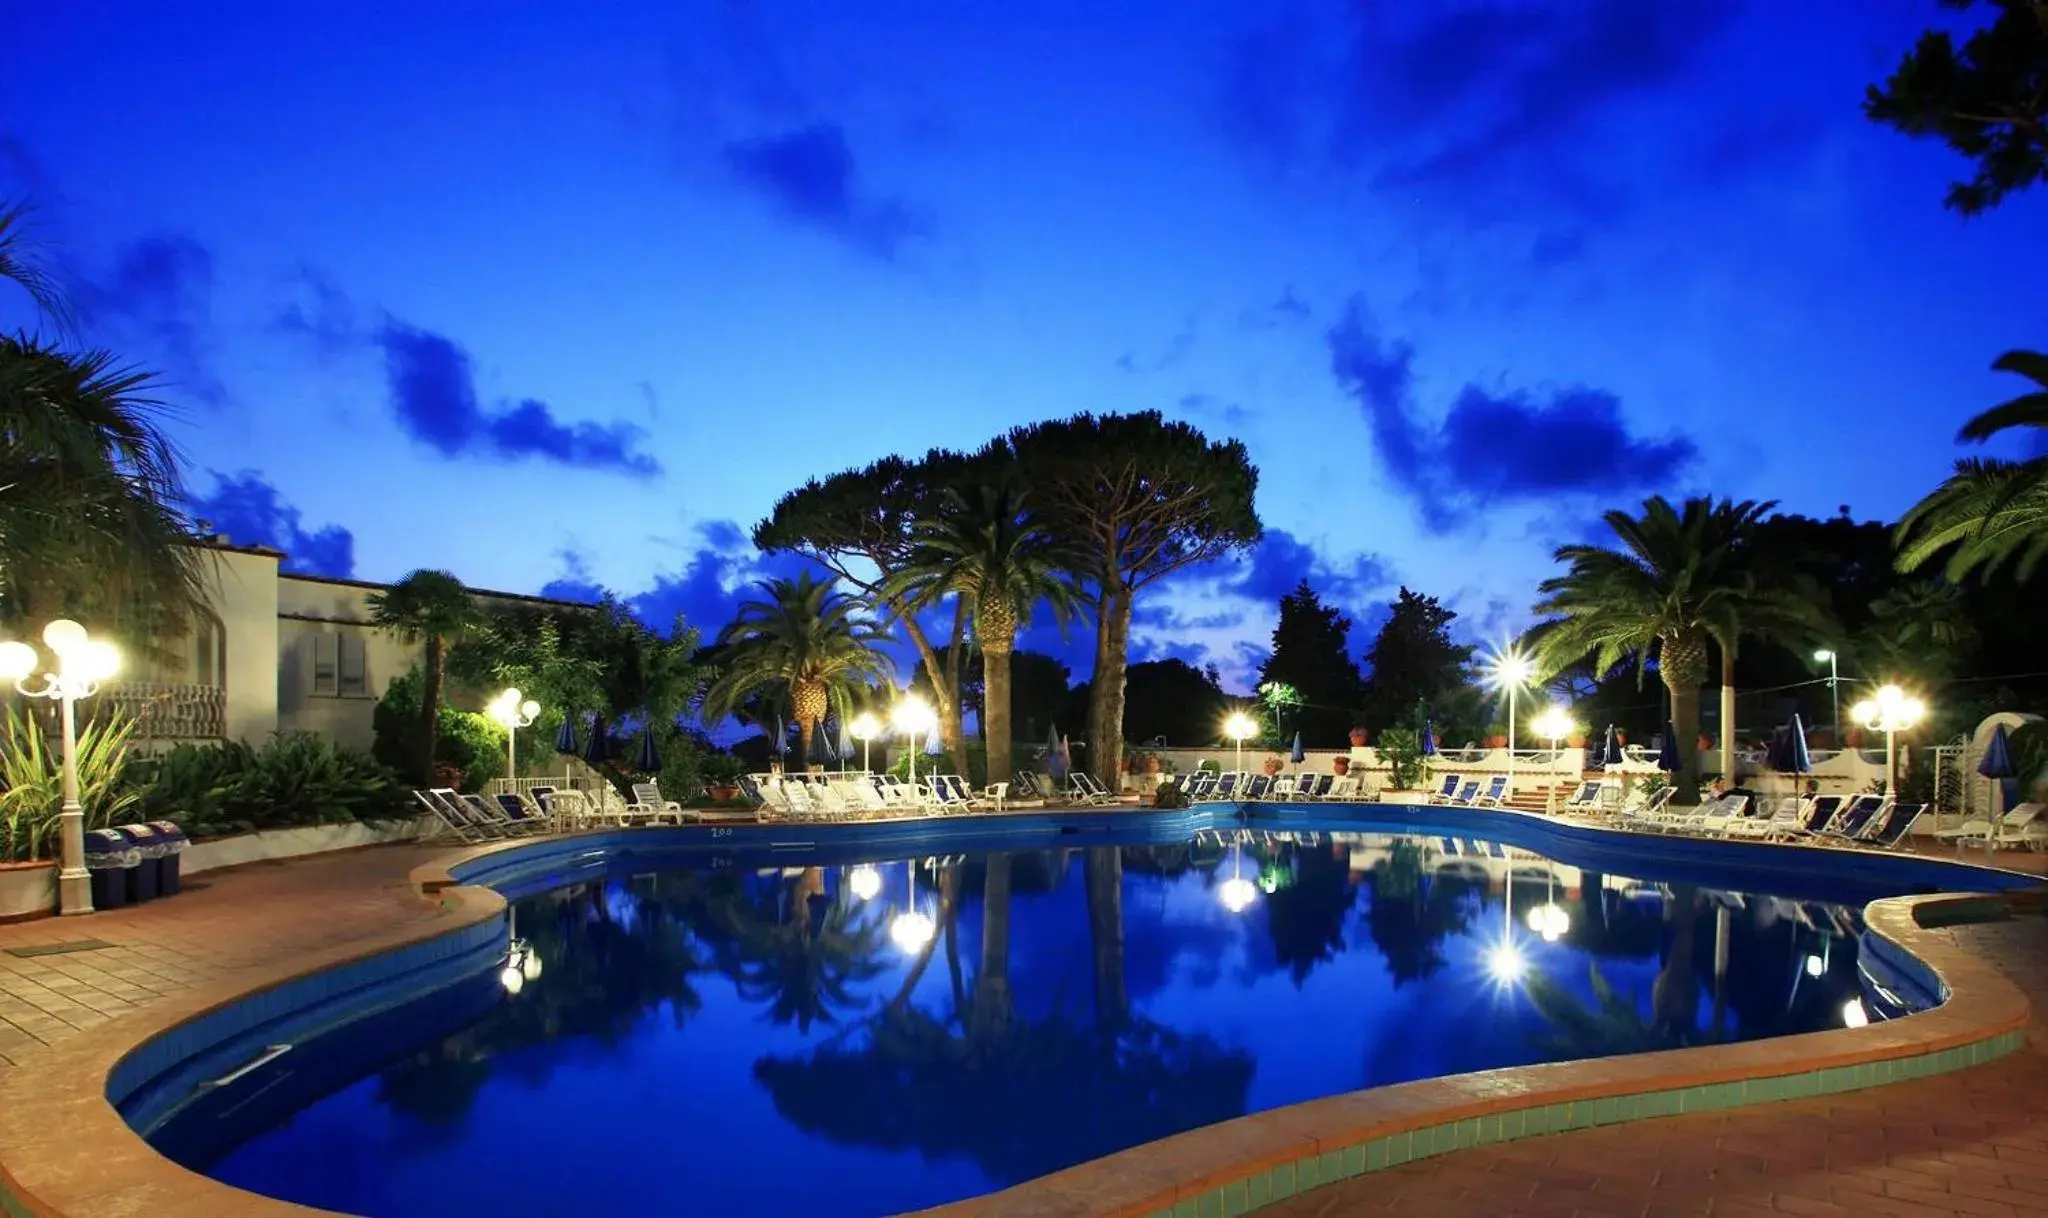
(512, 710)
(865, 882)
(1550, 922)
(1240, 727)
(865, 727)
(914, 718)
(83, 663)
(1825, 656)
(1237, 893)
(913, 928)
(1511, 670)
(1892, 711)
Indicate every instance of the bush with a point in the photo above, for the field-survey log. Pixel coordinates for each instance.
(32, 776)
(976, 771)
(2029, 745)
(467, 741)
(298, 778)
(1401, 749)
(1170, 795)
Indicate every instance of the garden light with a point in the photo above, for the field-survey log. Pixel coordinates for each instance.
(1240, 727)
(83, 662)
(864, 882)
(1892, 711)
(512, 710)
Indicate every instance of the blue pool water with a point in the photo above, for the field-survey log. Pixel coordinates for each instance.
(761, 1035)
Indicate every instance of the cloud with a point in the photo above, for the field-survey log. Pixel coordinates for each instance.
(433, 394)
(319, 311)
(718, 573)
(1493, 448)
(1486, 109)
(1210, 408)
(250, 511)
(1176, 350)
(159, 294)
(809, 176)
(1281, 560)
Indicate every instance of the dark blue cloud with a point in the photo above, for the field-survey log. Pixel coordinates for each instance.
(810, 176)
(1493, 448)
(433, 394)
(720, 571)
(1281, 560)
(158, 296)
(250, 511)
(317, 310)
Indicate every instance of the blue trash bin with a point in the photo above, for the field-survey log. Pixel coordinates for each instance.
(149, 850)
(111, 860)
(171, 863)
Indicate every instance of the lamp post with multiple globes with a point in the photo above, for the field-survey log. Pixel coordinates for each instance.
(1511, 671)
(864, 728)
(1240, 727)
(512, 710)
(1892, 711)
(83, 662)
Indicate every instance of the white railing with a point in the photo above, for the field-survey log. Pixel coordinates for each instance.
(169, 712)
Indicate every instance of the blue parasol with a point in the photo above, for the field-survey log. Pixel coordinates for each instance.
(649, 761)
(1055, 765)
(845, 746)
(1610, 749)
(1667, 750)
(1429, 738)
(1298, 755)
(821, 747)
(596, 750)
(1996, 764)
(565, 739)
(932, 745)
(778, 740)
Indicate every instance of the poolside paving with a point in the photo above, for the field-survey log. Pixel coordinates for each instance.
(1968, 1143)
(225, 922)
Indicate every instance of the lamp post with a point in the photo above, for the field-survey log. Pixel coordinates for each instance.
(82, 663)
(865, 727)
(1892, 711)
(1834, 688)
(512, 710)
(1553, 725)
(1510, 672)
(913, 718)
(1240, 727)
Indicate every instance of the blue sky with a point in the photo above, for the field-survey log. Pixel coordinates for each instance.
(560, 298)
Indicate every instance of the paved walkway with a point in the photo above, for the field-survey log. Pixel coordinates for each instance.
(224, 922)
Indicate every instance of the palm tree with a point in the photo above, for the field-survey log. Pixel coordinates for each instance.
(989, 549)
(430, 607)
(89, 485)
(804, 644)
(1682, 577)
(1989, 511)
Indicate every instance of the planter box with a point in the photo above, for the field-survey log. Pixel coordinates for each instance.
(1403, 797)
(290, 843)
(26, 889)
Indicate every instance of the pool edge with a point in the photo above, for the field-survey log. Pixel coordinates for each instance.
(1232, 1167)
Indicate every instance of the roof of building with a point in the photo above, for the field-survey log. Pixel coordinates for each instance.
(220, 541)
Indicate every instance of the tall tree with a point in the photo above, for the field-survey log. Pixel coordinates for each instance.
(1680, 579)
(857, 524)
(989, 549)
(1989, 512)
(430, 607)
(1311, 652)
(1140, 498)
(1038, 693)
(1175, 701)
(1987, 99)
(1412, 660)
(804, 643)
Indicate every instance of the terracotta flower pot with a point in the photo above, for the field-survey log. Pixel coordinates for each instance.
(1271, 765)
(1359, 738)
(1577, 740)
(1705, 743)
(1151, 765)
(1497, 741)
(1341, 765)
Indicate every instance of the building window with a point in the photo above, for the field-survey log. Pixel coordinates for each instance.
(340, 666)
(209, 652)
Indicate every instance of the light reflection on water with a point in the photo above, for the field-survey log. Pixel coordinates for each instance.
(871, 1039)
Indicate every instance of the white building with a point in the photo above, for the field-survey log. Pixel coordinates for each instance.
(278, 652)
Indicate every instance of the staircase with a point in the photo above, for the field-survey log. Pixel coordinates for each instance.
(1545, 798)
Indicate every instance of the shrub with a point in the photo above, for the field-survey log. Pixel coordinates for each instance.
(1170, 795)
(466, 740)
(1401, 749)
(298, 778)
(31, 771)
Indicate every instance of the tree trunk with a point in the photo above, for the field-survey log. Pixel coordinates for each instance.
(995, 706)
(803, 743)
(1682, 662)
(1728, 715)
(944, 696)
(953, 724)
(430, 710)
(1104, 871)
(1106, 689)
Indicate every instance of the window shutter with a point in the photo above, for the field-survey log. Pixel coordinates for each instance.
(354, 666)
(326, 663)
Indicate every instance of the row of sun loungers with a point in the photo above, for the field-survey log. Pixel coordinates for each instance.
(1826, 820)
(478, 818)
(859, 796)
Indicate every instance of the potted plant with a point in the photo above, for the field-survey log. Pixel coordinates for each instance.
(1340, 765)
(1271, 765)
(1359, 739)
(721, 776)
(1401, 750)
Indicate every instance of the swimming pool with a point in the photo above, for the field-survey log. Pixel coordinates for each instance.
(835, 1032)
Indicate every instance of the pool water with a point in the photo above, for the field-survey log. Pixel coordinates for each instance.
(771, 1037)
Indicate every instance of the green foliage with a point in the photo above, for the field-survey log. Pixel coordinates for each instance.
(1172, 699)
(1401, 749)
(1210, 766)
(1170, 795)
(1413, 660)
(465, 742)
(32, 775)
(1984, 99)
(1311, 661)
(1989, 512)
(2029, 746)
(433, 608)
(805, 646)
(976, 771)
(297, 778)
(721, 769)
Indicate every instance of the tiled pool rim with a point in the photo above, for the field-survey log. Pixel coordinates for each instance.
(88, 1150)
